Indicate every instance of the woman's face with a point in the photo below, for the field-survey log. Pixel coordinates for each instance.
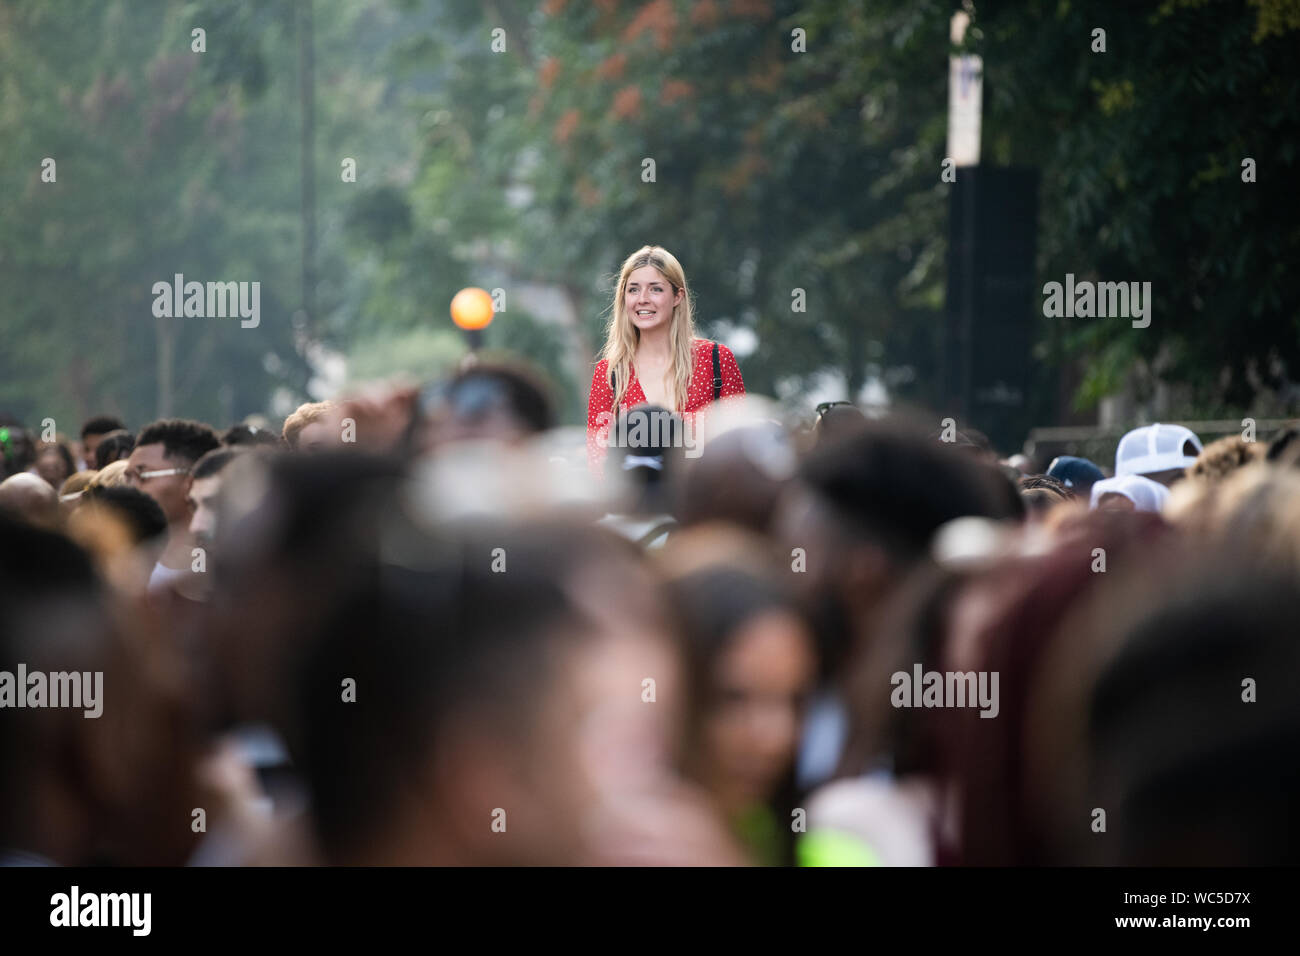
(650, 299)
(51, 466)
(762, 681)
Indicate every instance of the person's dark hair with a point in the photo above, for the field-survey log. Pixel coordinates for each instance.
(1195, 775)
(445, 637)
(713, 604)
(37, 563)
(102, 425)
(1041, 492)
(250, 435)
(908, 741)
(290, 525)
(1284, 448)
(114, 447)
(49, 611)
(180, 438)
(834, 419)
(70, 466)
(141, 513)
(1030, 482)
(971, 441)
(1220, 459)
(512, 386)
(739, 478)
(213, 462)
(17, 449)
(892, 485)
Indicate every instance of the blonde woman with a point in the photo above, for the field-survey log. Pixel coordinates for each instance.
(651, 355)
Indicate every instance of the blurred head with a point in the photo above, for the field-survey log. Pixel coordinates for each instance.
(114, 473)
(30, 498)
(1222, 458)
(312, 427)
(505, 665)
(54, 463)
(93, 432)
(506, 698)
(71, 491)
(909, 742)
(752, 665)
(161, 463)
(53, 619)
(80, 789)
(205, 487)
(17, 449)
(1257, 505)
(973, 442)
(651, 295)
(835, 419)
(1005, 620)
(291, 526)
(863, 512)
(123, 529)
(496, 401)
(140, 514)
(739, 478)
(114, 446)
(1194, 766)
(1040, 494)
(243, 435)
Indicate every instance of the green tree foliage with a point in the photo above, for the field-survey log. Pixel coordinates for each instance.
(1141, 152)
(780, 163)
(796, 145)
(168, 161)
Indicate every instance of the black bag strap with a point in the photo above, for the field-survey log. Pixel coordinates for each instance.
(717, 373)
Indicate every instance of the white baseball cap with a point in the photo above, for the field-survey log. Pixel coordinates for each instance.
(1146, 495)
(1156, 448)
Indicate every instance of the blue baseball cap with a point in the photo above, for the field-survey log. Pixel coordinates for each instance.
(1074, 472)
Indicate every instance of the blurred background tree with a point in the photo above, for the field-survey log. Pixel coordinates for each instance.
(167, 162)
(1141, 150)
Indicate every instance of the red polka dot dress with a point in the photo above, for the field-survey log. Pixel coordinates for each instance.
(699, 393)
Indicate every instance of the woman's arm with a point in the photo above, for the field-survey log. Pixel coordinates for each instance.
(600, 405)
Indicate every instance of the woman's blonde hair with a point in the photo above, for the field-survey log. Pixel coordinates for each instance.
(112, 474)
(622, 336)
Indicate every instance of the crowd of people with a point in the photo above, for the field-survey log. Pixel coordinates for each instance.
(415, 628)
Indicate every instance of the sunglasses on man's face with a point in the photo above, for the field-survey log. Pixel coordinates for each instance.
(135, 477)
